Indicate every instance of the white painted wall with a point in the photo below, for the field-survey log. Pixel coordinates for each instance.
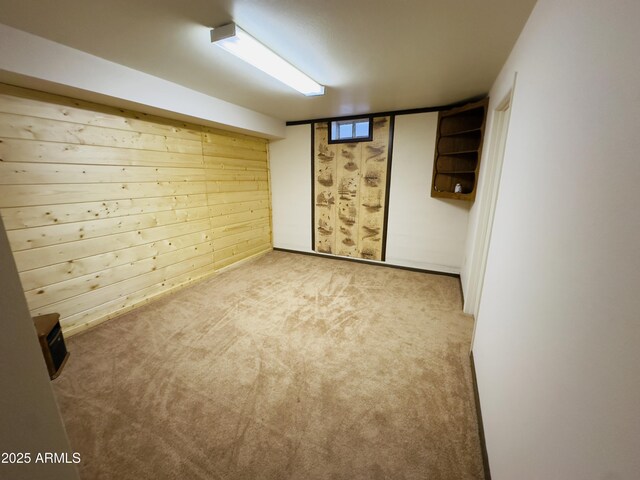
(34, 62)
(558, 329)
(422, 232)
(29, 417)
(290, 164)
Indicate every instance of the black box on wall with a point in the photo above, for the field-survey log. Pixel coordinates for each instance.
(52, 342)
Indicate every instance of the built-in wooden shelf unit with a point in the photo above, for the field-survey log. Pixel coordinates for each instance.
(458, 150)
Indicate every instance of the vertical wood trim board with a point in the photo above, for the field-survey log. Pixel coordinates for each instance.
(107, 208)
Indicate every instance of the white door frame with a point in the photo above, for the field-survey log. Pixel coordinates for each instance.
(489, 198)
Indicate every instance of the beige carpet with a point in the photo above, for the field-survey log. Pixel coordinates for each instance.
(288, 367)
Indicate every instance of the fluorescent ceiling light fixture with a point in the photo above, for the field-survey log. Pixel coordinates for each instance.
(238, 42)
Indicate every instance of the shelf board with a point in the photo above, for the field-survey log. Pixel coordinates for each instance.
(461, 132)
(457, 196)
(457, 153)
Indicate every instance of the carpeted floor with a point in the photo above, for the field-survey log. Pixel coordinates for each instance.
(288, 367)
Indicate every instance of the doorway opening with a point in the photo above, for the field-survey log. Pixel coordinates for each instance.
(487, 205)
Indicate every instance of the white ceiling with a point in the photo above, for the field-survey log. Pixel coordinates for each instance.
(372, 55)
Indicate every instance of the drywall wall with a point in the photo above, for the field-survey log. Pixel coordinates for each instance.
(106, 209)
(30, 421)
(35, 62)
(423, 232)
(290, 162)
(557, 335)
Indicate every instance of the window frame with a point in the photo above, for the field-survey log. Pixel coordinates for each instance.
(352, 121)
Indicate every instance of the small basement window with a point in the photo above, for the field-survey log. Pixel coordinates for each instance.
(356, 130)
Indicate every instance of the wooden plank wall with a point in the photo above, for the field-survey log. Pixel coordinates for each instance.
(106, 209)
